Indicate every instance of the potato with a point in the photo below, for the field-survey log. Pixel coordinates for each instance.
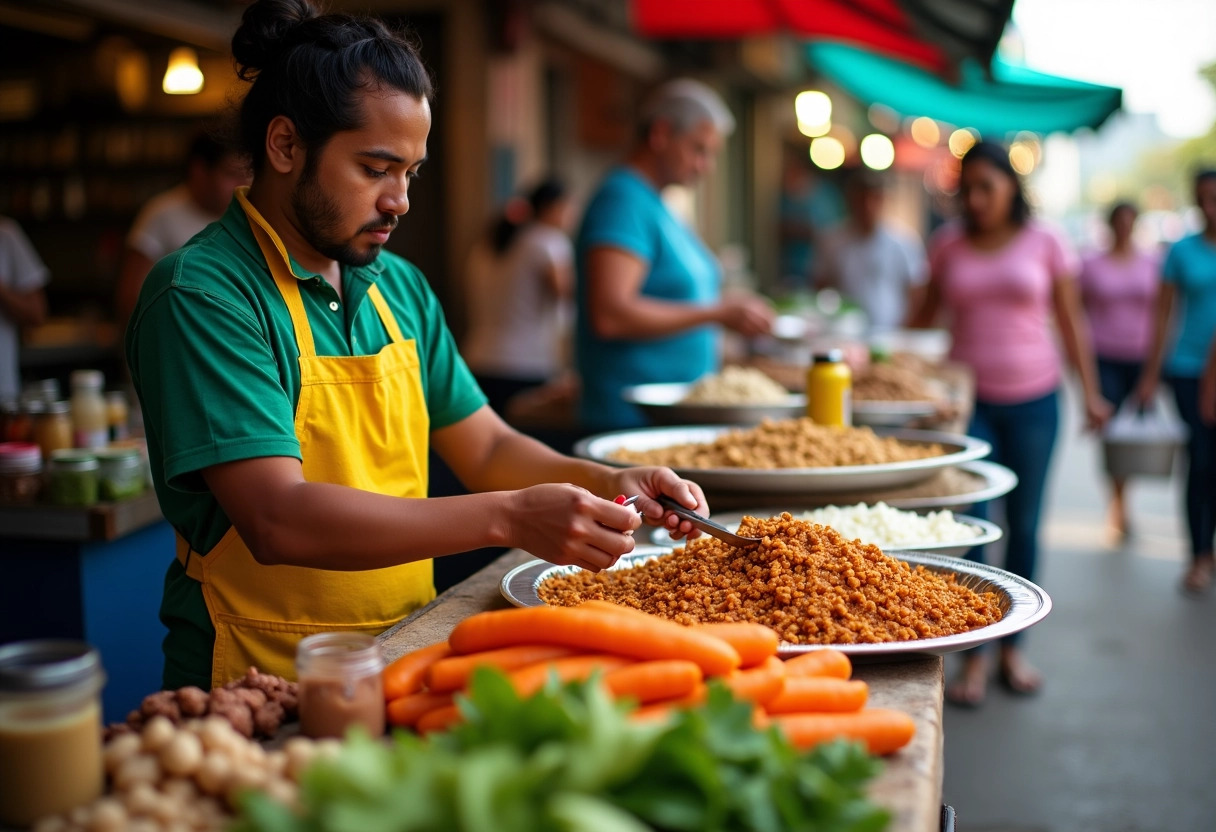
(157, 732)
(119, 749)
(214, 773)
(282, 791)
(182, 755)
(140, 799)
(216, 732)
(141, 768)
(109, 815)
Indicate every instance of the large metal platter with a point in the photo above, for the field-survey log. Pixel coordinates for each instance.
(664, 404)
(788, 480)
(1022, 603)
(988, 533)
(891, 414)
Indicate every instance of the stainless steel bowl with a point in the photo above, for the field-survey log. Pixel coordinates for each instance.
(664, 404)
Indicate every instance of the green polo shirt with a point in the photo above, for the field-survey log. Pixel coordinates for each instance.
(213, 356)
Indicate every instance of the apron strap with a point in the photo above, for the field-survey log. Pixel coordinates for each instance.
(276, 259)
(193, 565)
(386, 314)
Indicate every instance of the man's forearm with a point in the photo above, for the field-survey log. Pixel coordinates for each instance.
(23, 308)
(649, 318)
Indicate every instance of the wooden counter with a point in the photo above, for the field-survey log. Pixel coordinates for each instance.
(911, 784)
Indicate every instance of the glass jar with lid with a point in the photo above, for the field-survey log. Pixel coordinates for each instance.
(20, 472)
(90, 428)
(120, 473)
(50, 729)
(72, 477)
(53, 429)
(118, 415)
(340, 684)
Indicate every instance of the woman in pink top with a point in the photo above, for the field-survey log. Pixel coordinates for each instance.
(1002, 278)
(1119, 288)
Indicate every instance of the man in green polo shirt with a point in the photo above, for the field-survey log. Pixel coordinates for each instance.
(293, 376)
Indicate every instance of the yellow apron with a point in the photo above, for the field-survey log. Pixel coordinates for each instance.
(361, 422)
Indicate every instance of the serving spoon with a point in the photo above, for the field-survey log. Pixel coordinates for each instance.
(706, 525)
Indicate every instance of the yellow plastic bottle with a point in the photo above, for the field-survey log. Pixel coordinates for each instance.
(829, 389)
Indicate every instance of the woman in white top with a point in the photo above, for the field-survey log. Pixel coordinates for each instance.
(519, 285)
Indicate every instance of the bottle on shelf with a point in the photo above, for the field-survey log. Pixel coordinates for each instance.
(89, 425)
(117, 415)
(829, 389)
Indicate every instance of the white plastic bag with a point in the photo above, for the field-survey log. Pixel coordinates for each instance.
(1142, 442)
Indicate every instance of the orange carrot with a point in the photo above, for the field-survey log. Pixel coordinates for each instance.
(831, 663)
(654, 681)
(635, 636)
(881, 729)
(803, 694)
(654, 712)
(439, 719)
(453, 672)
(528, 680)
(405, 675)
(758, 684)
(407, 710)
(754, 642)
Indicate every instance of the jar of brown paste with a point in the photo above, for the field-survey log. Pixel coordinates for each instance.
(340, 684)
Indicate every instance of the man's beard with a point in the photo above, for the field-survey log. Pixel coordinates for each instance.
(320, 221)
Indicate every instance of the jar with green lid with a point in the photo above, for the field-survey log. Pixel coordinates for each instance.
(73, 477)
(121, 473)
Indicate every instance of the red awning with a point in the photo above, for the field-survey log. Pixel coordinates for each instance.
(930, 35)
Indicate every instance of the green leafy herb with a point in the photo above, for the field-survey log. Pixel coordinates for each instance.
(569, 759)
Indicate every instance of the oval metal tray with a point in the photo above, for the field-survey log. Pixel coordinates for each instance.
(1023, 603)
(844, 478)
(664, 403)
(989, 533)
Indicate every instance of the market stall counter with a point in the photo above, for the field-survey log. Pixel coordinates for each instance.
(910, 786)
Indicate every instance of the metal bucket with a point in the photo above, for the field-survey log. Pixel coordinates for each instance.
(1125, 459)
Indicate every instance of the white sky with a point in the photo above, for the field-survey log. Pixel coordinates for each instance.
(1153, 49)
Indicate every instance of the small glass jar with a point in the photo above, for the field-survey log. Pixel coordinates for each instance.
(50, 729)
(53, 429)
(90, 429)
(120, 474)
(118, 414)
(20, 472)
(340, 684)
(73, 476)
(10, 414)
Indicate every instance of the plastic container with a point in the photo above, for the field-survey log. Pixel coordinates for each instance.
(120, 474)
(73, 478)
(829, 389)
(89, 425)
(341, 684)
(53, 429)
(50, 729)
(1142, 443)
(118, 415)
(20, 472)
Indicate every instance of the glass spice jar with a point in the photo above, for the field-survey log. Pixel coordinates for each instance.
(53, 429)
(20, 472)
(340, 684)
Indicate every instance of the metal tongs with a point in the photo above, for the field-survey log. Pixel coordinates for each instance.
(706, 525)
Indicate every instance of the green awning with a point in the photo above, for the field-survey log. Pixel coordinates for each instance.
(1013, 98)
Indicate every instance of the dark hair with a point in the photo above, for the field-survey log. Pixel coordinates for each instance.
(1123, 205)
(517, 213)
(309, 67)
(1204, 175)
(996, 155)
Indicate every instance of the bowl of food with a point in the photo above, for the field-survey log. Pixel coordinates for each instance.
(891, 529)
(737, 395)
(892, 393)
(811, 585)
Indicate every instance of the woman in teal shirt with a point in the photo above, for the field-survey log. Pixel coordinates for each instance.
(649, 291)
(1189, 277)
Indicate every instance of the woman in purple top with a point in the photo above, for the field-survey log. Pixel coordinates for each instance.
(1118, 288)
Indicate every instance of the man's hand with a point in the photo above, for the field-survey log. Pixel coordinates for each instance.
(570, 526)
(650, 482)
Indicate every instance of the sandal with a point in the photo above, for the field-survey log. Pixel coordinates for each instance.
(1199, 576)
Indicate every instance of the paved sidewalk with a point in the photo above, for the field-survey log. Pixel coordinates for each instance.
(1123, 736)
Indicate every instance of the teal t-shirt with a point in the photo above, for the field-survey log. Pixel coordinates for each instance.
(627, 213)
(213, 356)
(1191, 267)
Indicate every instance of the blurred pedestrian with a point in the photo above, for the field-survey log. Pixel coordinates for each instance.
(870, 261)
(649, 299)
(1188, 281)
(809, 204)
(1118, 287)
(168, 220)
(519, 281)
(1003, 277)
(23, 277)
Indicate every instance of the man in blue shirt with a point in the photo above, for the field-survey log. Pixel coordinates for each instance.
(649, 293)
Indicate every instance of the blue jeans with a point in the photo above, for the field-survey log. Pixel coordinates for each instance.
(1022, 437)
(1117, 379)
(1201, 466)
